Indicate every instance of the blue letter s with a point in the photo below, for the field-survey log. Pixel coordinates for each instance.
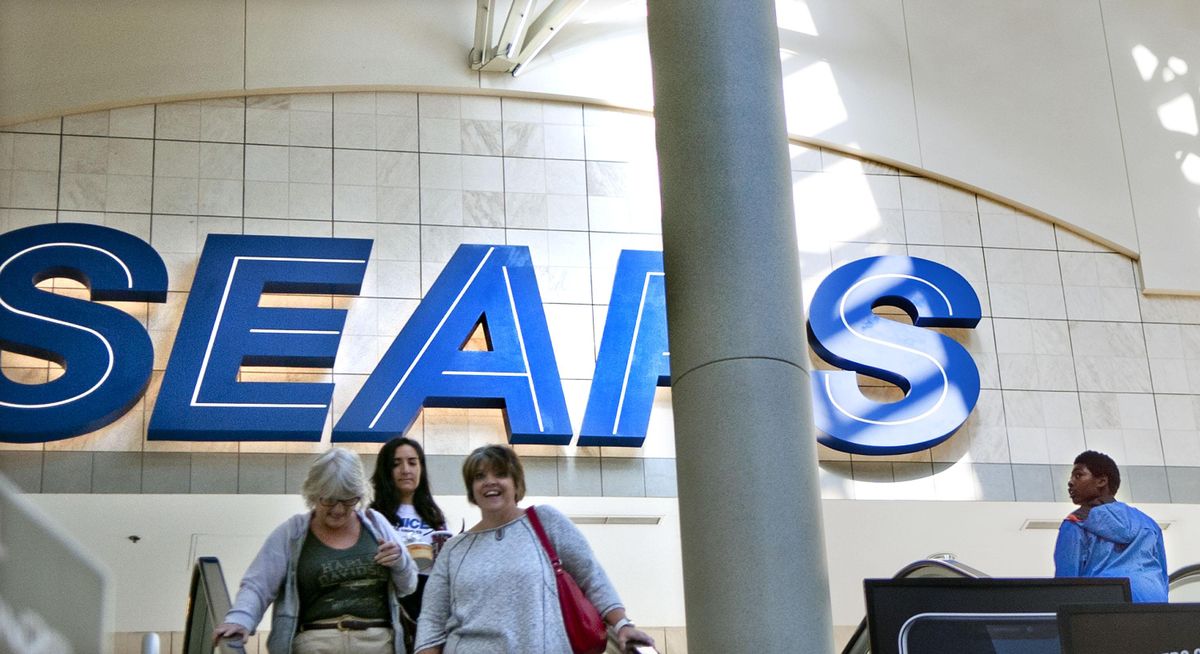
(106, 353)
(938, 376)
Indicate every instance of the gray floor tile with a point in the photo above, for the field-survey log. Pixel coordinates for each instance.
(214, 472)
(117, 472)
(1032, 483)
(660, 478)
(1184, 484)
(1146, 483)
(541, 475)
(911, 470)
(622, 477)
(368, 461)
(872, 471)
(995, 482)
(295, 470)
(579, 475)
(67, 472)
(445, 474)
(262, 474)
(837, 480)
(23, 469)
(1059, 474)
(166, 472)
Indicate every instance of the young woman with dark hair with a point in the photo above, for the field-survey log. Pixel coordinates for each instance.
(403, 496)
(399, 481)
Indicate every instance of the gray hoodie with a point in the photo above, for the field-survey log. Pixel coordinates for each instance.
(271, 578)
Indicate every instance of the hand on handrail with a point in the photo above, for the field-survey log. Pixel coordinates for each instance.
(230, 631)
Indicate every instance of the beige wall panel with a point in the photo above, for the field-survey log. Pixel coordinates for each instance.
(846, 78)
(1016, 98)
(302, 43)
(57, 56)
(1156, 70)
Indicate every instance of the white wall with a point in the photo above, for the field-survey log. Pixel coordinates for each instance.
(1039, 103)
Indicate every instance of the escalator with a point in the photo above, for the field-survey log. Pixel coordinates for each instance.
(1184, 587)
(1185, 584)
(860, 642)
(208, 602)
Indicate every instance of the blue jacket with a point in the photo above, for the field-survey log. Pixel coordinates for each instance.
(1114, 539)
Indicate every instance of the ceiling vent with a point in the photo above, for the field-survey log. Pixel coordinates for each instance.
(616, 519)
(1033, 524)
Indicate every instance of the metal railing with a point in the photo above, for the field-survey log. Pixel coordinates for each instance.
(860, 642)
(1184, 584)
(208, 602)
(1188, 574)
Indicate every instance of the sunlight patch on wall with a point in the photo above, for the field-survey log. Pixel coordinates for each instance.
(1179, 115)
(794, 16)
(822, 108)
(1145, 61)
(834, 206)
(1191, 168)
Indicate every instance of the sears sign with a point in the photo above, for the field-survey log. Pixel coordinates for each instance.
(107, 355)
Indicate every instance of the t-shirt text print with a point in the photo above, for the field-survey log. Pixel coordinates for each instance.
(334, 583)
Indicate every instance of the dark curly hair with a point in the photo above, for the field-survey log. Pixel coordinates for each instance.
(1101, 465)
(387, 497)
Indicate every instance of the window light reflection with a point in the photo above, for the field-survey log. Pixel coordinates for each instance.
(1179, 115)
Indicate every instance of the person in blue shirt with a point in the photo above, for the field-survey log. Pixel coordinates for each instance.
(1107, 538)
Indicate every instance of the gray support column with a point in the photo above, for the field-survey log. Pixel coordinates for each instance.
(755, 576)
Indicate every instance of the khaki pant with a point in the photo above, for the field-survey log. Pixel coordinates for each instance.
(376, 640)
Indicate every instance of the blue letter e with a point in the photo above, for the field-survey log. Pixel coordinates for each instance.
(938, 376)
(224, 327)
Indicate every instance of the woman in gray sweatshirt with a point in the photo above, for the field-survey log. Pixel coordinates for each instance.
(334, 574)
(492, 589)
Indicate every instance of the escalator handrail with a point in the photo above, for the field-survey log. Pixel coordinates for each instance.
(1184, 575)
(208, 585)
(860, 642)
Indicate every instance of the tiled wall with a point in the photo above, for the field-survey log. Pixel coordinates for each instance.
(1071, 354)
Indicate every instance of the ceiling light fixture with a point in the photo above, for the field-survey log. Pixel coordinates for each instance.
(522, 36)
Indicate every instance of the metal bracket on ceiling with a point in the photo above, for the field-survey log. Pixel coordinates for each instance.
(522, 37)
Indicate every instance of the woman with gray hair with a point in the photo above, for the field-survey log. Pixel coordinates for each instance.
(334, 574)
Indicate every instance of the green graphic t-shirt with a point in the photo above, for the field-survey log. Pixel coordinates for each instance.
(334, 582)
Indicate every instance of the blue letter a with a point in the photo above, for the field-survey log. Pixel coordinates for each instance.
(427, 365)
(634, 359)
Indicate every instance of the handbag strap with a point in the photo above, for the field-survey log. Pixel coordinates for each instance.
(536, 523)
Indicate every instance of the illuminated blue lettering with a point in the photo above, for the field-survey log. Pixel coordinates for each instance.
(106, 353)
(224, 328)
(939, 378)
(633, 359)
(492, 286)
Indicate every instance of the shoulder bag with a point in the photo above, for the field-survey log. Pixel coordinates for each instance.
(585, 628)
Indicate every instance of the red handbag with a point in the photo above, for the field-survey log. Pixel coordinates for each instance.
(585, 628)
